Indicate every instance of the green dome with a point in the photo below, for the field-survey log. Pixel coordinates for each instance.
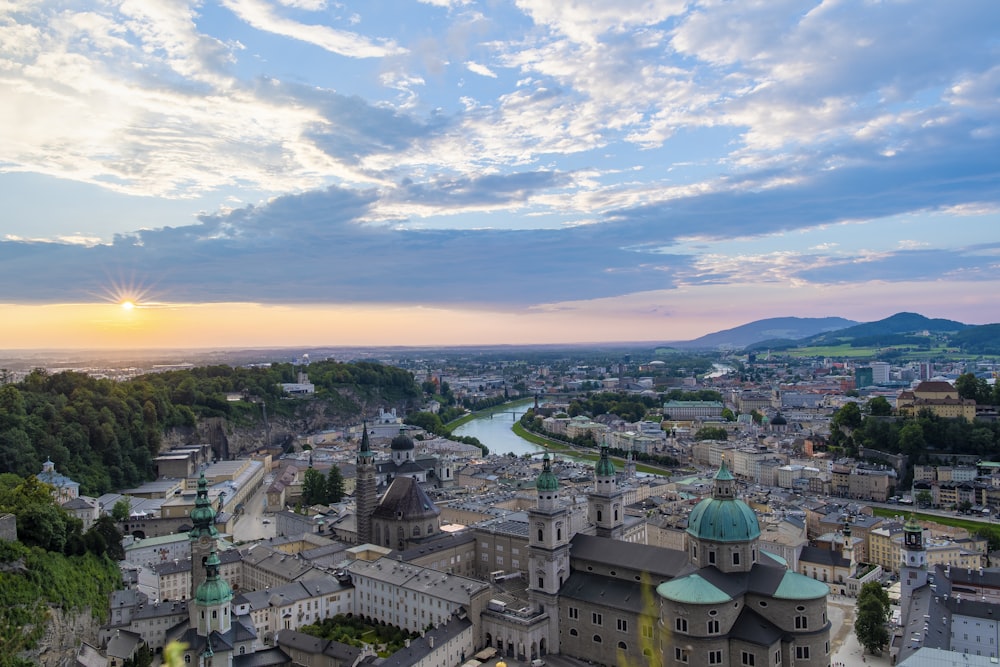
(604, 467)
(214, 590)
(723, 521)
(723, 517)
(547, 481)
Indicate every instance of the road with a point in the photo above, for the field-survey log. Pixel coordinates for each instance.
(250, 526)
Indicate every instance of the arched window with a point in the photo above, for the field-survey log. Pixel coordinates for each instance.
(558, 533)
(573, 632)
(597, 639)
(416, 531)
(540, 538)
(622, 646)
(600, 515)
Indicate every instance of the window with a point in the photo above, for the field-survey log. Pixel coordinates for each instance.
(623, 646)
(499, 560)
(486, 558)
(597, 639)
(715, 657)
(680, 654)
(777, 657)
(681, 624)
(748, 659)
(711, 557)
(802, 652)
(540, 535)
(713, 626)
(596, 618)
(736, 558)
(801, 623)
(573, 632)
(599, 515)
(574, 612)
(622, 625)
(647, 631)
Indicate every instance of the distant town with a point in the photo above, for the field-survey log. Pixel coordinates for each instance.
(682, 508)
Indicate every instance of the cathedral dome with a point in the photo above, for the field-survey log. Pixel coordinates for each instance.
(401, 443)
(723, 517)
(547, 481)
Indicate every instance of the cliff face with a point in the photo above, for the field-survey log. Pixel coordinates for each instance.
(64, 633)
(232, 441)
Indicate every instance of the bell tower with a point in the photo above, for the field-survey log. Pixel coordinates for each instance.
(548, 550)
(365, 488)
(605, 507)
(203, 535)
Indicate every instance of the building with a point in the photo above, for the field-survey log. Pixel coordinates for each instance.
(941, 398)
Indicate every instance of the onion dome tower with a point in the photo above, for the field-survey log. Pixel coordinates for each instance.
(723, 530)
(211, 609)
(365, 489)
(548, 549)
(203, 534)
(605, 506)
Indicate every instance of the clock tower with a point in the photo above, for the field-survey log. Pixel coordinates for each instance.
(203, 535)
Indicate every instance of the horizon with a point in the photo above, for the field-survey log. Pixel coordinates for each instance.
(263, 173)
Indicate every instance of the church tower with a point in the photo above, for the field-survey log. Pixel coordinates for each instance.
(548, 550)
(364, 491)
(203, 535)
(848, 551)
(913, 570)
(605, 506)
(210, 608)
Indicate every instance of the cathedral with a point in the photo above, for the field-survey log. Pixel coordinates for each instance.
(722, 602)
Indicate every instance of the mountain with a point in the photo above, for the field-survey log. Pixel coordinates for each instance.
(785, 328)
(900, 323)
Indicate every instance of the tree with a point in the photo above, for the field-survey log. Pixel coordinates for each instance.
(711, 433)
(847, 417)
(121, 510)
(879, 407)
(334, 485)
(872, 614)
(313, 487)
(924, 498)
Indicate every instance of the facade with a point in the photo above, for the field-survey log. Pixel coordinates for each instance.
(941, 398)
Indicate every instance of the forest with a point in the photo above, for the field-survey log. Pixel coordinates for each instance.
(105, 434)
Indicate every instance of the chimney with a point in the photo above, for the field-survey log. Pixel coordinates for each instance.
(430, 641)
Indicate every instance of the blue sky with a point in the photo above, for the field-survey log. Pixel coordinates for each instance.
(668, 167)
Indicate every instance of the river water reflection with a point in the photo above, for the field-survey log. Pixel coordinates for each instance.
(496, 432)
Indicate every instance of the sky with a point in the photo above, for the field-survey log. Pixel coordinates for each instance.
(444, 172)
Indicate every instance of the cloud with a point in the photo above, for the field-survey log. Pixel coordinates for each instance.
(481, 70)
(262, 16)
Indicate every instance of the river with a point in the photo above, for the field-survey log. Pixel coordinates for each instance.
(496, 433)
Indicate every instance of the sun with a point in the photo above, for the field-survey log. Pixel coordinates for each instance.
(127, 305)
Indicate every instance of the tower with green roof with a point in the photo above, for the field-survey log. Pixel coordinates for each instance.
(913, 570)
(210, 608)
(548, 549)
(605, 506)
(203, 534)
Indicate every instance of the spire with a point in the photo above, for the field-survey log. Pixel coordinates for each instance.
(365, 452)
(203, 515)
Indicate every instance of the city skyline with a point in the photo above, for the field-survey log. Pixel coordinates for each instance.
(446, 172)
